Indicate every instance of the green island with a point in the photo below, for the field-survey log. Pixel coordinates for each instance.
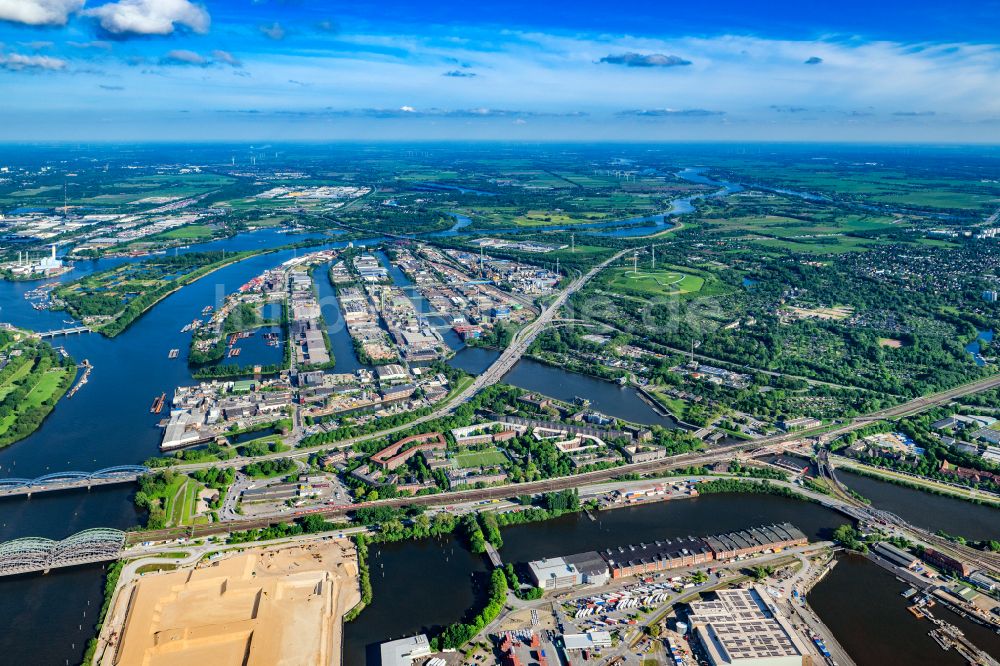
(110, 301)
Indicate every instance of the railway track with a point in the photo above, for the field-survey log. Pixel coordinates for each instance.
(719, 454)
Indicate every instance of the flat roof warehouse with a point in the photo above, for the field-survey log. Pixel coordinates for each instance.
(594, 567)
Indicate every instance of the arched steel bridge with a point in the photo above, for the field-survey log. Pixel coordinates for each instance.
(30, 554)
(69, 480)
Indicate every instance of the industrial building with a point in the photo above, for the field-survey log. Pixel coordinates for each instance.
(983, 582)
(946, 562)
(740, 628)
(895, 555)
(592, 640)
(632, 560)
(554, 573)
(755, 540)
(404, 651)
(646, 558)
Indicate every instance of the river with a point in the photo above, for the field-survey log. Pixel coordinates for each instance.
(949, 514)
(106, 423)
(632, 227)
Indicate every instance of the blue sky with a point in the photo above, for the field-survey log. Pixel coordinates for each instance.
(643, 70)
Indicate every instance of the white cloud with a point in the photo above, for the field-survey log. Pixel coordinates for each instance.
(227, 58)
(184, 57)
(735, 83)
(149, 17)
(18, 62)
(38, 12)
(273, 31)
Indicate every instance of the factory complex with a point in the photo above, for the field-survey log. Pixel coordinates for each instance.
(740, 628)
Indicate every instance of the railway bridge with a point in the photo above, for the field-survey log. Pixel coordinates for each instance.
(36, 554)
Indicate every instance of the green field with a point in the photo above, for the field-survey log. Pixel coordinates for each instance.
(11, 382)
(650, 283)
(487, 458)
(29, 389)
(189, 232)
(181, 501)
(45, 387)
(950, 189)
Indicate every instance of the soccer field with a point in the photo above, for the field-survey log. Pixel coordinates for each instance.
(487, 458)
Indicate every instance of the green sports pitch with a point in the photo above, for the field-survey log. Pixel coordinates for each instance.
(488, 458)
(645, 282)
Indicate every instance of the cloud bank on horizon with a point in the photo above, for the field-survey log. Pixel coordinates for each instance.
(237, 69)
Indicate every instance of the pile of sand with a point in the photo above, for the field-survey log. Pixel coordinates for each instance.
(265, 606)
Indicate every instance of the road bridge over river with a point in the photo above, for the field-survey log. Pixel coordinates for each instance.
(71, 480)
(71, 330)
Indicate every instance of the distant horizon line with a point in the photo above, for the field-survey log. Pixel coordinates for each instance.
(623, 142)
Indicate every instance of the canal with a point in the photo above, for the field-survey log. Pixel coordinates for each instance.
(621, 402)
(931, 512)
(341, 345)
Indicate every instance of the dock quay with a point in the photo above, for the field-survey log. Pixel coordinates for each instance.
(87, 367)
(950, 637)
(927, 588)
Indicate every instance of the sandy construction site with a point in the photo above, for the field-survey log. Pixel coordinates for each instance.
(262, 607)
